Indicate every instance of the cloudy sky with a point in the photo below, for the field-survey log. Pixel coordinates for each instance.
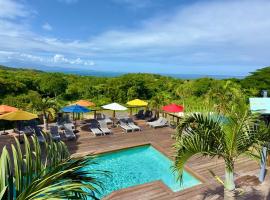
(161, 36)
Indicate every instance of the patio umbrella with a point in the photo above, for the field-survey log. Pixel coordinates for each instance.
(18, 115)
(75, 109)
(6, 109)
(85, 103)
(136, 103)
(173, 108)
(114, 107)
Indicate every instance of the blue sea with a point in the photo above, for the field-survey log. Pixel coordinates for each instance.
(115, 74)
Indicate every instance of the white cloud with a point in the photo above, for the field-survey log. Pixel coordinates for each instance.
(11, 9)
(57, 59)
(47, 27)
(217, 33)
(135, 3)
(68, 1)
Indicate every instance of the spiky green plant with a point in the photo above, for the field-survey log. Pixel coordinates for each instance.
(46, 172)
(225, 137)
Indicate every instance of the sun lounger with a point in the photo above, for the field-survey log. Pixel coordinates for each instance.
(132, 125)
(148, 114)
(95, 129)
(123, 125)
(155, 122)
(55, 134)
(100, 116)
(68, 131)
(25, 130)
(162, 123)
(103, 127)
(140, 114)
(39, 134)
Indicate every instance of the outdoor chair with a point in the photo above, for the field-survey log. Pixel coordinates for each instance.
(123, 125)
(103, 127)
(132, 125)
(95, 129)
(39, 134)
(140, 115)
(55, 134)
(68, 132)
(159, 124)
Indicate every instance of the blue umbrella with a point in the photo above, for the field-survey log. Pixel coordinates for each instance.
(75, 109)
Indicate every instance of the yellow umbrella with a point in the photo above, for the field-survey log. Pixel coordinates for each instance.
(136, 103)
(18, 115)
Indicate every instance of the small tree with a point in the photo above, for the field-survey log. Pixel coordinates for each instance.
(225, 137)
(47, 107)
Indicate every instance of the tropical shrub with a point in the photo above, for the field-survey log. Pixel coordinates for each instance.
(45, 172)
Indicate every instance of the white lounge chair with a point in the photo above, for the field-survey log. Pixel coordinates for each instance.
(124, 126)
(103, 127)
(95, 129)
(162, 123)
(55, 134)
(155, 122)
(132, 125)
(68, 131)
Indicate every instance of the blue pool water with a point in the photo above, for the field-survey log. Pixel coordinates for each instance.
(138, 165)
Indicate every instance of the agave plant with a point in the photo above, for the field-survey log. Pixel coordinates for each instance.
(225, 137)
(46, 172)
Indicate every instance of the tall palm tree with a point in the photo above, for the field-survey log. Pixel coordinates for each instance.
(47, 107)
(225, 137)
(159, 100)
(46, 172)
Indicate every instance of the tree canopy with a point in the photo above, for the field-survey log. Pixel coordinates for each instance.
(19, 87)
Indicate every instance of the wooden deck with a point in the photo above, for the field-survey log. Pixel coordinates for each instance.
(161, 139)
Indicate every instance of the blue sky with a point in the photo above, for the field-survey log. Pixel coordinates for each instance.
(226, 37)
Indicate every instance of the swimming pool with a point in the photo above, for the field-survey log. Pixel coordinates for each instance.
(139, 165)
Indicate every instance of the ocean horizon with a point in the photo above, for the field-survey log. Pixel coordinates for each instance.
(83, 72)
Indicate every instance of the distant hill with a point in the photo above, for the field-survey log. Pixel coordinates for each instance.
(87, 72)
(18, 69)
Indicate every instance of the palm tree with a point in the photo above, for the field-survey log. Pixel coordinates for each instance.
(225, 137)
(47, 107)
(159, 100)
(46, 172)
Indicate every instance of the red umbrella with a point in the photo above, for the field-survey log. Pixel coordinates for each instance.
(173, 108)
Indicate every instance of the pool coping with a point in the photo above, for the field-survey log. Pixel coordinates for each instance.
(159, 182)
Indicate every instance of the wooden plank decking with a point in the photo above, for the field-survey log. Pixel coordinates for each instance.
(161, 139)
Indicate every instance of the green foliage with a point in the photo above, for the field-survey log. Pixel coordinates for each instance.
(52, 84)
(46, 172)
(20, 88)
(224, 136)
(257, 81)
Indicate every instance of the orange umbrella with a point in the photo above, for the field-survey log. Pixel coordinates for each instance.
(84, 103)
(6, 109)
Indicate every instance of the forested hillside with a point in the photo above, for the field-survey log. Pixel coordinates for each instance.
(20, 88)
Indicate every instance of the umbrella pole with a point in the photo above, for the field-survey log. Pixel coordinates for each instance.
(114, 118)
